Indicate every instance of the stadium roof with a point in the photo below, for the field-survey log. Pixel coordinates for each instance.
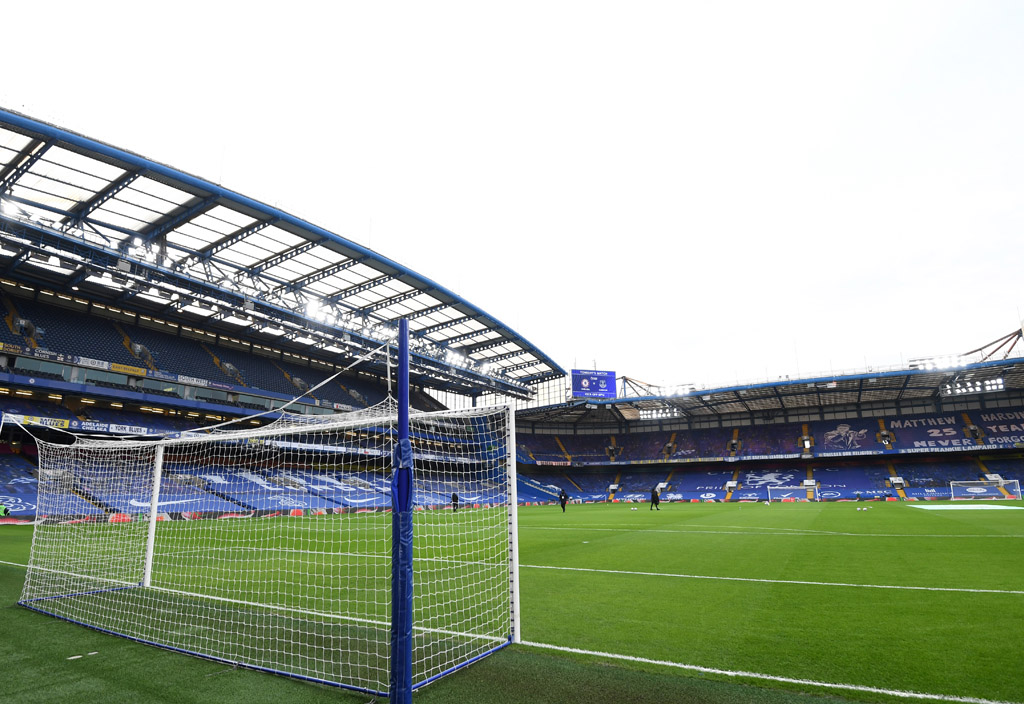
(77, 214)
(996, 368)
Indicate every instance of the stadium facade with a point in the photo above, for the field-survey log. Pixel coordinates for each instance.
(139, 299)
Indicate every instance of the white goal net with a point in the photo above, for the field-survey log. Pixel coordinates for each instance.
(271, 547)
(998, 489)
(793, 493)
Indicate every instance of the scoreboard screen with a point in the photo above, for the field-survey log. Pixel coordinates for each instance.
(587, 383)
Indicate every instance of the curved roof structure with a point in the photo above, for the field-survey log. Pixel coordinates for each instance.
(78, 214)
(996, 368)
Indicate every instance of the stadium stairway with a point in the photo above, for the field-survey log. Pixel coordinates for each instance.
(358, 399)
(670, 446)
(236, 376)
(810, 475)
(301, 392)
(208, 488)
(983, 474)
(12, 315)
(735, 478)
(86, 495)
(806, 435)
(573, 482)
(883, 434)
(565, 452)
(618, 476)
(127, 341)
(893, 473)
(968, 426)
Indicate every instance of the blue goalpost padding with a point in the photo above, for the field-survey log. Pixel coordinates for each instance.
(400, 690)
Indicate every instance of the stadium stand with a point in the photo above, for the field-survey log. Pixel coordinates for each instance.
(587, 449)
(18, 484)
(75, 335)
(177, 355)
(60, 330)
(768, 440)
(43, 409)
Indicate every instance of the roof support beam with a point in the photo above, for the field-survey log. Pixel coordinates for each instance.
(319, 275)
(380, 305)
(235, 237)
(465, 336)
(501, 357)
(446, 324)
(190, 210)
(269, 262)
(79, 214)
(30, 155)
(521, 365)
(18, 260)
(353, 290)
(428, 311)
(490, 345)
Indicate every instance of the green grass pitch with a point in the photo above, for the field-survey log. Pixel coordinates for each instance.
(883, 602)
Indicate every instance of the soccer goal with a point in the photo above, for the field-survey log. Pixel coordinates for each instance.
(793, 493)
(294, 548)
(985, 489)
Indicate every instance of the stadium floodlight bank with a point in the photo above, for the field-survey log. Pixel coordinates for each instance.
(985, 489)
(300, 576)
(793, 493)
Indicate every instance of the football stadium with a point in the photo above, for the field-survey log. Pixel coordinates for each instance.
(244, 458)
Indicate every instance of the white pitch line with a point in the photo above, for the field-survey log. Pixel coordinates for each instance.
(14, 564)
(796, 532)
(777, 581)
(774, 678)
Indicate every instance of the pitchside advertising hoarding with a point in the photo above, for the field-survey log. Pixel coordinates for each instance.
(588, 383)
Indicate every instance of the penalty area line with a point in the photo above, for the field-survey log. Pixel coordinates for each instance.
(772, 678)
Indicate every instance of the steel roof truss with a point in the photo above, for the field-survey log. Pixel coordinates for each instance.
(380, 305)
(465, 336)
(447, 324)
(233, 238)
(193, 208)
(353, 290)
(94, 203)
(282, 257)
(321, 274)
(29, 159)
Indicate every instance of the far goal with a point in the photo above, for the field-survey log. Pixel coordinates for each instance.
(985, 489)
(793, 493)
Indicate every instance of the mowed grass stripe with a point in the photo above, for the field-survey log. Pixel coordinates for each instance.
(776, 581)
(774, 678)
(823, 606)
(756, 530)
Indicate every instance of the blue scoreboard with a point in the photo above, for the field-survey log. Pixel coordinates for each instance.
(587, 383)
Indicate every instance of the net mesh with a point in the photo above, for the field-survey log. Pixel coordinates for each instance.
(984, 489)
(295, 577)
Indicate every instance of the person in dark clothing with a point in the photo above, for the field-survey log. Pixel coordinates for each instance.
(455, 502)
(563, 499)
(655, 499)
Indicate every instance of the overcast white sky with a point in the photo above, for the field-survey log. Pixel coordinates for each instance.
(677, 191)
